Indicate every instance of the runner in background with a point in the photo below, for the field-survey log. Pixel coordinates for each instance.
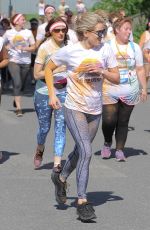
(41, 6)
(119, 100)
(80, 7)
(19, 43)
(49, 11)
(33, 27)
(62, 7)
(3, 63)
(145, 37)
(56, 31)
(5, 75)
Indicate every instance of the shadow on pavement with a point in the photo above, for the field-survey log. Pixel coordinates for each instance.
(129, 152)
(28, 110)
(6, 155)
(23, 110)
(99, 198)
(50, 165)
(147, 130)
(96, 198)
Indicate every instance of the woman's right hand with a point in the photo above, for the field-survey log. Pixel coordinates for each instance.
(146, 55)
(55, 103)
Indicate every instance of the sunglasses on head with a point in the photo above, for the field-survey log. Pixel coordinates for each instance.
(100, 33)
(59, 30)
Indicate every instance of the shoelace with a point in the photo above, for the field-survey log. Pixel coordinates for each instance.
(65, 189)
(88, 206)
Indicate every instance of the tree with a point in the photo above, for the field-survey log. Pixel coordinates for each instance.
(131, 6)
(145, 7)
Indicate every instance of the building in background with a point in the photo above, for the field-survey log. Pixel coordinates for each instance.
(31, 6)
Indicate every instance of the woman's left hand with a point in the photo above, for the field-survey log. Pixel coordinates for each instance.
(55, 102)
(94, 68)
(143, 95)
(20, 48)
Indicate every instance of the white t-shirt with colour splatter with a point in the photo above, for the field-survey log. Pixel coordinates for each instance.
(84, 90)
(45, 51)
(128, 57)
(41, 32)
(15, 39)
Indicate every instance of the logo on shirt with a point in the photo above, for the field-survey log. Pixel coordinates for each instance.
(123, 60)
(82, 72)
(19, 41)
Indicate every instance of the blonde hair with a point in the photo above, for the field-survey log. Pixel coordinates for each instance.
(102, 13)
(87, 22)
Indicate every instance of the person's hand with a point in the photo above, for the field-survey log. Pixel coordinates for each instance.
(146, 54)
(20, 48)
(143, 95)
(94, 68)
(148, 59)
(55, 103)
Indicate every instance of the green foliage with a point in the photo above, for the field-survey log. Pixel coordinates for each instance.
(138, 30)
(131, 6)
(96, 6)
(29, 16)
(145, 7)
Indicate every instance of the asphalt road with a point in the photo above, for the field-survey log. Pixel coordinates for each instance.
(120, 192)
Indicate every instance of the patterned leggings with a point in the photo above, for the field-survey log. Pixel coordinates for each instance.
(83, 128)
(44, 114)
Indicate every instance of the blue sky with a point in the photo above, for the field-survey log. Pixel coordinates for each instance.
(72, 3)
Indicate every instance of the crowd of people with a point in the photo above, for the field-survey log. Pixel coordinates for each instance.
(86, 66)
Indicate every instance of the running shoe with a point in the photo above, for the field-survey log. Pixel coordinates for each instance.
(19, 113)
(105, 152)
(57, 168)
(38, 158)
(120, 155)
(60, 188)
(86, 211)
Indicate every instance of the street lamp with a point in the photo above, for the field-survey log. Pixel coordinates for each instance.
(10, 9)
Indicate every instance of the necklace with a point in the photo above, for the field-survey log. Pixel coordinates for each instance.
(124, 56)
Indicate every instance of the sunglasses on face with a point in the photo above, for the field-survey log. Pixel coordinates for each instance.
(100, 33)
(59, 30)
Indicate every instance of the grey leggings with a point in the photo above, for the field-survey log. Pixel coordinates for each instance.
(83, 128)
(19, 74)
